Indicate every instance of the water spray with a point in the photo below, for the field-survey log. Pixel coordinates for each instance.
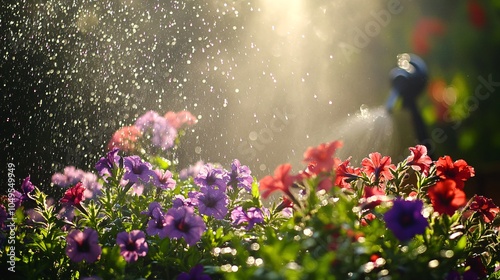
(408, 80)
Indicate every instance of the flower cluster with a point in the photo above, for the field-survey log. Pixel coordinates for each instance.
(381, 220)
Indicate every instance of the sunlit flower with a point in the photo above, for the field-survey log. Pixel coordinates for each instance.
(281, 181)
(212, 202)
(212, 176)
(485, 207)
(152, 208)
(196, 273)
(183, 223)
(377, 166)
(125, 139)
(165, 180)
(322, 156)
(180, 201)
(419, 160)
(250, 217)
(445, 197)
(83, 245)
(405, 219)
(74, 195)
(458, 171)
(137, 171)
(240, 176)
(132, 245)
(106, 164)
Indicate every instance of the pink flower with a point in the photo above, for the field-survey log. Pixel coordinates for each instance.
(377, 166)
(181, 118)
(125, 139)
(419, 160)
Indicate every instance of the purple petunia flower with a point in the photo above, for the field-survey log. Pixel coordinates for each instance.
(211, 176)
(27, 187)
(160, 131)
(196, 273)
(83, 245)
(240, 176)
(156, 224)
(180, 201)
(251, 216)
(211, 202)
(137, 171)
(165, 180)
(152, 209)
(183, 223)
(132, 245)
(405, 219)
(108, 163)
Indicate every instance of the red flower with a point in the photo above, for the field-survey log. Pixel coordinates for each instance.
(125, 139)
(74, 195)
(345, 174)
(322, 156)
(424, 30)
(445, 197)
(281, 181)
(378, 166)
(477, 16)
(419, 160)
(458, 171)
(485, 207)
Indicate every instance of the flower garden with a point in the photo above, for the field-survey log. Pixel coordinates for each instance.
(136, 216)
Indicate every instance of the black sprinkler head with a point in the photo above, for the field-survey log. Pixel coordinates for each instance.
(408, 80)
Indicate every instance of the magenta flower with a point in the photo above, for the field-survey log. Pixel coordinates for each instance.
(74, 195)
(405, 219)
(196, 273)
(83, 246)
(251, 216)
(165, 180)
(3, 216)
(105, 165)
(132, 245)
(240, 176)
(183, 223)
(211, 202)
(137, 171)
(211, 176)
